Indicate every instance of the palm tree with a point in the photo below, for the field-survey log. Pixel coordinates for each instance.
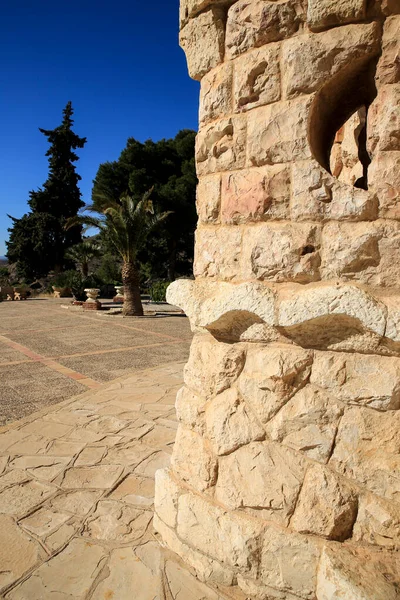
(81, 254)
(127, 224)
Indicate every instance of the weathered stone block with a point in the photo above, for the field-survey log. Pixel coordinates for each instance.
(230, 423)
(388, 70)
(310, 60)
(282, 252)
(262, 477)
(216, 94)
(230, 538)
(372, 381)
(213, 366)
(257, 78)
(378, 522)
(193, 460)
(254, 24)
(277, 133)
(255, 194)
(307, 423)
(202, 40)
(190, 8)
(322, 14)
(166, 497)
(190, 408)
(271, 376)
(368, 450)
(384, 120)
(384, 181)
(326, 507)
(208, 198)
(221, 146)
(217, 253)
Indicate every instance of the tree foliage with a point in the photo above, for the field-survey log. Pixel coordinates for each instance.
(168, 167)
(38, 240)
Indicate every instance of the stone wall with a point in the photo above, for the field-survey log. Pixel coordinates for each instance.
(285, 476)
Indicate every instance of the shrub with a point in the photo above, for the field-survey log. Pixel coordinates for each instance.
(158, 290)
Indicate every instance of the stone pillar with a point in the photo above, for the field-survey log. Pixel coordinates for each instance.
(285, 476)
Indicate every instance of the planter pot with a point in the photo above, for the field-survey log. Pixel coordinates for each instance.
(92, 294)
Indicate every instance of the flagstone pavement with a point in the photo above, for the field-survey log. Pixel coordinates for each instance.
(76, 496)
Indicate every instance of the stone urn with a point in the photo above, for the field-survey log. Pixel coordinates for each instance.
(92, 294)
(119, 297)
(61, 292)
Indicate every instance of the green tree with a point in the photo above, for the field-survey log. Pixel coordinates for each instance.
(81, 254)
(38, 240)
(127, 225)
(168, 166)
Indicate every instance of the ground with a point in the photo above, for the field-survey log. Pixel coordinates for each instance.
(49, 354)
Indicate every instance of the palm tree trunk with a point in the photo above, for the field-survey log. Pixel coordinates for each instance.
(132, 302)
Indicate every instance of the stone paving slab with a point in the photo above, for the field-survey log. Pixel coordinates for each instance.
(76, 496)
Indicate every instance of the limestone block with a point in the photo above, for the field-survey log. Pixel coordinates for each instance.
(289, 563)
(378, 521)
(252, 24)
(368, 450)
(213, 366)
(277, 133)
(322, 14)
(216, 94)
(282, 252)
(206, 568)
(193, 460)
(388, 70)
(318, 196)
(257, 78)
(271, 376)
(384, 120)
(365, 252)
(360, 379)
(357, 574)
(326, 507)
(255, 194)
(384, 178)
(262, 477)
(190, 8)
(230, 423)
(190, 408)
(166, 497)
(202, 40)
(221, 146)
(233, 539)
(311, 59)
(217, 252)
(307, 423)
(18, 552)
(208, 198)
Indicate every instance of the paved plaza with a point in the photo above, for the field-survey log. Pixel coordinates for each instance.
(49, 354)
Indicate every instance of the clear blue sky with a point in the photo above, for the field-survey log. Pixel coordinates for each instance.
(117, 61)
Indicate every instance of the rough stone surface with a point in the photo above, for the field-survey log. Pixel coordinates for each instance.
(257, 78)
(193, 460)
(322, 14)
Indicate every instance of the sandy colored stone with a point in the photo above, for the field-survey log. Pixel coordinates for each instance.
(217, 253)
(384, 174)
(264, 478)
(59, 538)
(79, 502)
(138, 491)
(253, 24)
(43, 467)
(221, 146)
(230, 538)
(255, 194)
(193, 460)
(388, 70)
(114, 521)
(384, 120)
(183, 586)
(77, 567)
(356, 576)
(166, 497)
(18, 552)
(128, 577)
(257, 78)
(43, 428)
(310, 60)
(230, 424)
(190, 8)
(22, 498)
(367, 450)
(378, 521)
(91, 455)
(208, 198)
(277, 133)
(64, 448)
(13, 477)
(216, 94)
(97, 477)
(372, 381)
(44, 521)
(202, 40)
(322, 14)
(212, 366)
(326, 507)
(282, 252)
(190, 408)
(157, 460)
(307, 423)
